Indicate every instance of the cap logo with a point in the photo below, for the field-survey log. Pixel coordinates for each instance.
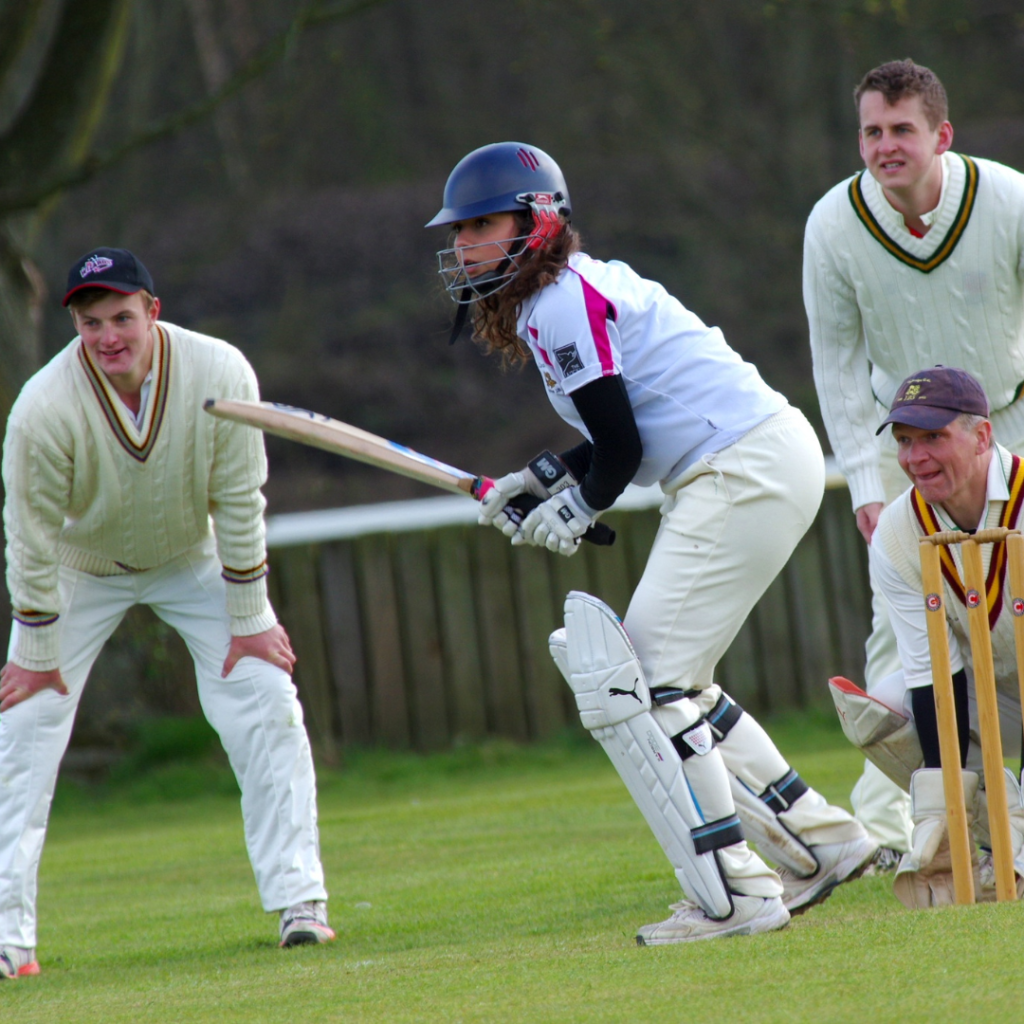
(529, 161)
(912, 392)
(95, 265)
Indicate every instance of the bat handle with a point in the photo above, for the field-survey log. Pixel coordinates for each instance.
(520, 506)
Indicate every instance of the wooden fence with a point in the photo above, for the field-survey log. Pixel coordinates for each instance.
(415, 628)
(424, 638)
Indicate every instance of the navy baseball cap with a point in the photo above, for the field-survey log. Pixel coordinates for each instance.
(117, 270)
(932, 398)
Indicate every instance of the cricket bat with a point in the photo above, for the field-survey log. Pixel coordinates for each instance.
(332, 435)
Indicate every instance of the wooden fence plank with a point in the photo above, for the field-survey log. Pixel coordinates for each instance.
(845, 567)
(464, 673)
(345, 642)
(637, 533)
(778, 681)
(737, 672)
(572, 573)
(609, 569)
(301, 592)
(382, 630)
(500, 641)
(809, 618)
(538, 616)
(424, 661)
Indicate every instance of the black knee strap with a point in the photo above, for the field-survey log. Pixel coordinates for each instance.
(683, 748)
(723, 716)
(716, 834)
(781, 795)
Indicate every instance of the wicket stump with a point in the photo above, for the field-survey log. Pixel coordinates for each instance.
(985, 693)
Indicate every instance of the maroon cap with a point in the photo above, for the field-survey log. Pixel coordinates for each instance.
(117, 270)
(932, 398)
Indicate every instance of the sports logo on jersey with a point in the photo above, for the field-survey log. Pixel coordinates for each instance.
(568, 360)
(550, 382)
(96, 265)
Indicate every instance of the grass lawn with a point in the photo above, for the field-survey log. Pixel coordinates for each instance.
(489, 884)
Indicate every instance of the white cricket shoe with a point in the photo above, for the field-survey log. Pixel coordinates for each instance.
(838, 863)
(985, 879)
(17, 962)
(305, 924)
(689, 923)
(885, 862)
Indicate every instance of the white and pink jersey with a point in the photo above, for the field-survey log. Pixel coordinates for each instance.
(691, 393)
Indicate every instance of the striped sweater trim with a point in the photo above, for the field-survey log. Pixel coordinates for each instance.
(245, 575)
(31, 619)
(948, 244)
(157, 398)
(995, 583)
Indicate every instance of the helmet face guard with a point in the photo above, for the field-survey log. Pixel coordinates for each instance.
(506, 177)
(465, 290)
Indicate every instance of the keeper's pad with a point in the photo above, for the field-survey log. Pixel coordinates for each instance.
(886, 738)
(599, 664)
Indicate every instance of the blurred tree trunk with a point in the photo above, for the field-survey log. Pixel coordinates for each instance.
(58, 78)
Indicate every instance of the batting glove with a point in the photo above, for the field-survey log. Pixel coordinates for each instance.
(545, 475)
(557, 524)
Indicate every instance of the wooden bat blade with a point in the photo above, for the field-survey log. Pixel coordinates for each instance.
(332, 435)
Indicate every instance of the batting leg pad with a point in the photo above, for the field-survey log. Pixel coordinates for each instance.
(886, 738)
(603, 671)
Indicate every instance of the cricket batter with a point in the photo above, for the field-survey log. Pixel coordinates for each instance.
(658, 397)
(121, 491)
(962, 480)
(917, 260)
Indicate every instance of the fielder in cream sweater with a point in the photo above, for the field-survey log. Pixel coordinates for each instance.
(120, 490)
(917, 260)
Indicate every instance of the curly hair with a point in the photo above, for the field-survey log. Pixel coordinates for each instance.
(495, 316)
(900, 78)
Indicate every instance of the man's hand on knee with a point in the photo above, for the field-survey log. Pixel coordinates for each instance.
(272, 645)
(18, 684)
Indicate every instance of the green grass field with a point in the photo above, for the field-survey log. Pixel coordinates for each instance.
(489, 884)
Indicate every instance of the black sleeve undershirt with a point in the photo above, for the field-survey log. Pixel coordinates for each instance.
(605, 466)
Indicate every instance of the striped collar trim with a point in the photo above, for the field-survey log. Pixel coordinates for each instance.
(948, 244)
(995, 582)
(126, 433)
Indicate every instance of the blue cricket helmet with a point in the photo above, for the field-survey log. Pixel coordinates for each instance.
(501, 178)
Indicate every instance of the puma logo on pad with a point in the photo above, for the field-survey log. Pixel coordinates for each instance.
(614, 691)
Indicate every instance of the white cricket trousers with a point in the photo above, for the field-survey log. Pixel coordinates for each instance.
(728, 527)
(255, 711)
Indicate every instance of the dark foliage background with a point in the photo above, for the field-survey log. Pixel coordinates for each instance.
(695, 137)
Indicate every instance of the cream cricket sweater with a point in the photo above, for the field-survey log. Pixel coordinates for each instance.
(882, 304)
(88, 489)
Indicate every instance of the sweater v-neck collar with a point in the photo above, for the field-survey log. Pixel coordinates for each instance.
(887, 227)
(137, 441)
